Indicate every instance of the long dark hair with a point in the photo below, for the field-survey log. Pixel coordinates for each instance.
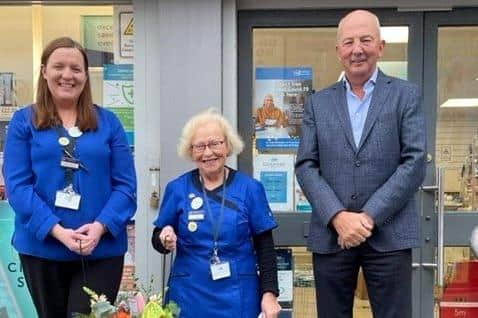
(45, 113)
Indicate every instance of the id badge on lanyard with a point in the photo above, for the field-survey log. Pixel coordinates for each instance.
(68, 198)
(219, 269)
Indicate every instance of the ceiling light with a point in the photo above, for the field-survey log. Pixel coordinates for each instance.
(394, 34)
(460, 102)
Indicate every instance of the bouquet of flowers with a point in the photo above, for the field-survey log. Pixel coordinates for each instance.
(153, 308)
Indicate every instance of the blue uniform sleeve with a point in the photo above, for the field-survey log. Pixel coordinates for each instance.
(121, 205)
(169, 209)
(260, 214)
(31, 210)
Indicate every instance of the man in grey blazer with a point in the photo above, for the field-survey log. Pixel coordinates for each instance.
(360, 161)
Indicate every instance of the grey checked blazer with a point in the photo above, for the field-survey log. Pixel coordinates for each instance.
(380, 176)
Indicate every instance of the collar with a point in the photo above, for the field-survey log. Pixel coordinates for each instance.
(197, 181)
(371, 81)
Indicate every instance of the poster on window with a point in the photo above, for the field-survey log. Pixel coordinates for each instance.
(300, 201)
(279, 95)
(276, 172)
(15, 300)
(118, 95)
(97, 34)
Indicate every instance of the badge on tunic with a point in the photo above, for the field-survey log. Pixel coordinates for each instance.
(192, 226)
(74, 132)
(191, 195)
(196, 215)
(63, 141)
(196, 203)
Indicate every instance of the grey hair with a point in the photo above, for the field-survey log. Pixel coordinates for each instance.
(234, 142)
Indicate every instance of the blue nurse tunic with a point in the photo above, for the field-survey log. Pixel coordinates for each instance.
(246, 213)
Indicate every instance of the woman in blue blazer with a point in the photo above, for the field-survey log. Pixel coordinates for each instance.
(70, 178)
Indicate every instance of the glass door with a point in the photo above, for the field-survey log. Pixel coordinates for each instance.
(284, 56)
(451, 89)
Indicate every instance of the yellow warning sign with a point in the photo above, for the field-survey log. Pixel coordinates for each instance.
(129, 28)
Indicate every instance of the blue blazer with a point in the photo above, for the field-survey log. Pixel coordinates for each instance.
(380, 176)
(33, 175)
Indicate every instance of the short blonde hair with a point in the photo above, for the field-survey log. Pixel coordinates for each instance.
(233, 140)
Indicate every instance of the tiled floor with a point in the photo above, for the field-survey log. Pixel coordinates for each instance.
(304, 291)
(304, 304)
(362, 309)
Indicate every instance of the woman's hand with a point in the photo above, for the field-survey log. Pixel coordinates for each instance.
(92, 232)
(270, 306)
(168, 238)
(68, 237)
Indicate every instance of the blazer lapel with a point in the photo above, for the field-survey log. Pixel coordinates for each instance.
(380, 93)
(343, 113)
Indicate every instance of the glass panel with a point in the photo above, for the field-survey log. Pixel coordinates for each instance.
(30, 28)
(288, 65)
(457, 120)
(457, 151)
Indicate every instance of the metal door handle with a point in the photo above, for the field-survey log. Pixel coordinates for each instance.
(429, 188)
(439, 190)
(441, 220)
(425, 265)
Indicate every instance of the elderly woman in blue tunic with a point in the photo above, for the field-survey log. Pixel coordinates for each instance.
(219, 222)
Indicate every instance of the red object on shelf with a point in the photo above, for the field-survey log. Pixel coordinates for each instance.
(460, 296)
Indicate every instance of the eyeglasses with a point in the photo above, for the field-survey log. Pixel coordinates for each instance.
(213, 145)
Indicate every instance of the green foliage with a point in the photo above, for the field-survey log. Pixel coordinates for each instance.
(102, 308)
(154, 309)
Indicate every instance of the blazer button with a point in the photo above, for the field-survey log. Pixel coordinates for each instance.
(354, 196)
(357, 163)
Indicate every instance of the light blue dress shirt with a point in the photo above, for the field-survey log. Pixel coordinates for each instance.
(358, 108)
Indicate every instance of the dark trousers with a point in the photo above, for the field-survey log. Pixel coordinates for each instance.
(388, 276)
(56, 286)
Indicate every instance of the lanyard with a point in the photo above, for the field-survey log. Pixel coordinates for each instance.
(68, 151)
(216, 225)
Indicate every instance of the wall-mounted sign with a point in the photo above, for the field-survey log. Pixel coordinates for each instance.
(124, 34)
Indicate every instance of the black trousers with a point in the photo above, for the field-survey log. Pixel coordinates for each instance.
(56, 286)
(388, 276)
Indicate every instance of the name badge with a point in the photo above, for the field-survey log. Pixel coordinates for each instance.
(220, 270)
(71, 163)
(196, 215)
(67, 199)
